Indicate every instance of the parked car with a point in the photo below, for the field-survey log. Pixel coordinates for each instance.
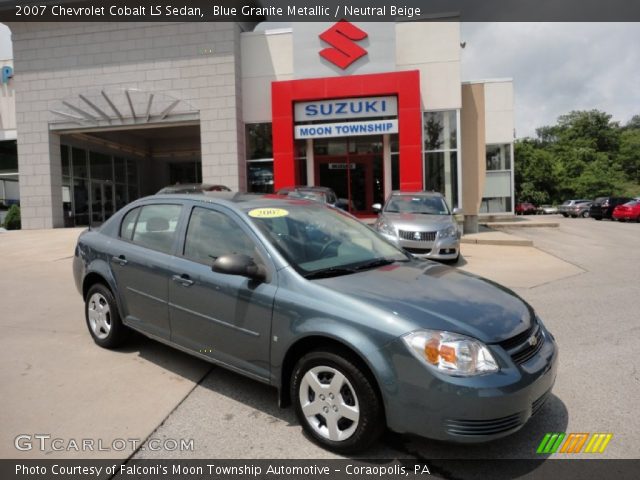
(318, 194)
(193, 188)
(525, 208)
(627, 211)
(355, 332)
(421, 223)
(603, 206)
(547, 209)
(580, 209)
(564, 208)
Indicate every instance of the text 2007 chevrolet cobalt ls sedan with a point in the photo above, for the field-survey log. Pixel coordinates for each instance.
(356, 333)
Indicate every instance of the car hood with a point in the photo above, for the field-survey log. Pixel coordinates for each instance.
(413, 221)
(425, 294)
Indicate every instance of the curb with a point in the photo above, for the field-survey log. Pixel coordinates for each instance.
(521, 224)
(512, 242)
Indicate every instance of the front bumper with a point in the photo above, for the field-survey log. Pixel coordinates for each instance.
(440, 249)
(468, 409)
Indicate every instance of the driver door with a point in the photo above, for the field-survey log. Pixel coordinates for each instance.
(224, 317)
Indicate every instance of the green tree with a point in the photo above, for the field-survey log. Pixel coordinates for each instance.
(629, 155)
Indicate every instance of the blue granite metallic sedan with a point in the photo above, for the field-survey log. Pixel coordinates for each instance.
(356, 333)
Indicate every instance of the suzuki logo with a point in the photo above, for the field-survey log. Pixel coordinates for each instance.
(533, 341)
(342, 37)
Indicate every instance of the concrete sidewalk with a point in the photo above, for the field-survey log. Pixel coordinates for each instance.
(492, 237)
(54, 379)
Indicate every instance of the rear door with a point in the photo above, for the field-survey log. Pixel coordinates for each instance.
(224, 317)
(141, 265)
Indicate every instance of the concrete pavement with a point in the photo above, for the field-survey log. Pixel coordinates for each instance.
(54, 379)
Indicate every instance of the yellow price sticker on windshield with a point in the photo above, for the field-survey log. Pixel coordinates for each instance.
(268, 212)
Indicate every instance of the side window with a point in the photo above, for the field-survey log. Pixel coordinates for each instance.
(156, 227)
(128, 223)
(211, 234)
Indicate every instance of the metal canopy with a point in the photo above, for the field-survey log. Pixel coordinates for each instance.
(105, 109)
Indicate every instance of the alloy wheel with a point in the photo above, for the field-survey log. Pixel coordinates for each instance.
(99, 316)
(329, 403)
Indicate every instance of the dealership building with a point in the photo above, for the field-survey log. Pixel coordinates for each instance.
(109, 112)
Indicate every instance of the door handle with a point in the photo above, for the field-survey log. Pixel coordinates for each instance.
(183, 279)
(120, 259)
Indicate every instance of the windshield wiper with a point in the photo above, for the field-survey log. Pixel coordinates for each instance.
(378, 262)
(329, 272)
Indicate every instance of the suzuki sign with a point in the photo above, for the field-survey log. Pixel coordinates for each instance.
(322, 49)
(343, 50)
(343, 108)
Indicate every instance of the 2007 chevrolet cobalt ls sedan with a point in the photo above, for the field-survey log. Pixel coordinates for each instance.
(355, 332)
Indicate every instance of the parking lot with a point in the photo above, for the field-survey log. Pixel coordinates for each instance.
(582, 278)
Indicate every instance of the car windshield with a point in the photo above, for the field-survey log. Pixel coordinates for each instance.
(420, 204)
(320, 241)
(632, 203)
(308, 195)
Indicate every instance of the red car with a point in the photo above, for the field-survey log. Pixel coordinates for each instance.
(628, 211)
(526, 208)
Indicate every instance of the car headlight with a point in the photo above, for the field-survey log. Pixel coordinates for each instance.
(450, 231)
(386, 228)
(451, 353)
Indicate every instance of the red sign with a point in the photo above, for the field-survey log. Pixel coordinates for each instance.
(342, 37)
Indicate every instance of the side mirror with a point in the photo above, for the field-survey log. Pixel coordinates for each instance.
(376, 207)
(239, 264)
(457, 211)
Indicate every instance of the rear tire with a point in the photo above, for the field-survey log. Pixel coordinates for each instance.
(335, 402)
(585, 214)
(103, 318)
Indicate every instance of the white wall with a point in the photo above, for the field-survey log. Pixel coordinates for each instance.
(265, 57)
(7, 106)
(433, 48)
(499, 117)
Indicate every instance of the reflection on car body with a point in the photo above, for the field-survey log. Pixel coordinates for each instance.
(355, 332)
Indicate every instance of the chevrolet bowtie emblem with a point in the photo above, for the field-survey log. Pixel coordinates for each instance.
(342, 37)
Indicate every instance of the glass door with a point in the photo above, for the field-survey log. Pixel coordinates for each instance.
(101, 201)
(353, 168)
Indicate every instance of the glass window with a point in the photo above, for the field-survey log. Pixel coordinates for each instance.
(100, 166)
(156, 227)
(495, 205)
(498, 157)
(120, 170)
(213, 234)
(132, 173)
(79, 161)
(440, 130)
(128, 223)
(64, 159)
(260, 177)
(121, 196)
(441, 174)
(259, 141)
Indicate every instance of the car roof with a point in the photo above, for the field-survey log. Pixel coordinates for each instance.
(430, 193)
(310, 188)
(236, 200)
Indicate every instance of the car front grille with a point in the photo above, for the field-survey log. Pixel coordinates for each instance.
(472, 428)
(525, 345)
(418, 251)
(417, 236)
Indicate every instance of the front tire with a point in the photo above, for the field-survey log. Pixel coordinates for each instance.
(335, 402)
(103, 318)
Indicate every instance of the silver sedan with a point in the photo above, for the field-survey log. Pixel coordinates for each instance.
(421, 223)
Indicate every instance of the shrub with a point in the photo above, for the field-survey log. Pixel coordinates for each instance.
(12, 220)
